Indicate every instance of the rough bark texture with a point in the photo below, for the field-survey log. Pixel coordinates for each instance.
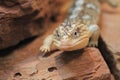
(21, 19)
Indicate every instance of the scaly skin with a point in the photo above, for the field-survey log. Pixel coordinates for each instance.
(79, 30)
(67, 38)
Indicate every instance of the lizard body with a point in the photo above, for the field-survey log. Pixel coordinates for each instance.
(79, 30)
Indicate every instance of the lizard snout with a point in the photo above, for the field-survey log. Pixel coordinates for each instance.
(65, 42)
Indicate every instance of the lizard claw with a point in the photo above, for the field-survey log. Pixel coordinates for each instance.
(93, 44)
(45, 48)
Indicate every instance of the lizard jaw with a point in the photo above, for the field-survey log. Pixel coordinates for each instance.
(77, 45)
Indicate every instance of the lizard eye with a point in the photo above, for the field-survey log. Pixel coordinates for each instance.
(58, 36)
(75, 34)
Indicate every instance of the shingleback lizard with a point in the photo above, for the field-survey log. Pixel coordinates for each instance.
(79, 30)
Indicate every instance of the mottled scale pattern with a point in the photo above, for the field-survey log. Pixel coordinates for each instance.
(68, 26)
(86, 10)
(78, 30)
(83, 12)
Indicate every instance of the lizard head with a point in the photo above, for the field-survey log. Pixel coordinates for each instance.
(71, 35)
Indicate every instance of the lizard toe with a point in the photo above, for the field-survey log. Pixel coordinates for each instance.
(44, 49)
(93, 44)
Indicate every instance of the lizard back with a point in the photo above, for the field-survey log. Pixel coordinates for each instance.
(86, 10)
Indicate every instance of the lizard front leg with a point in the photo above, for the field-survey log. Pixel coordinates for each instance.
(95, 32)
(47, 44)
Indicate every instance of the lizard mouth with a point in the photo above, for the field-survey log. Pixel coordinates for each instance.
(66, 46)
(78, 44)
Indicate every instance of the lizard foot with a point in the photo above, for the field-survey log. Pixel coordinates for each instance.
(93, 44)
(45, 48)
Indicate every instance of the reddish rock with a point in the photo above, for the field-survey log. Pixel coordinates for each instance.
(58, 66)
(87, 65)
(78, 65)
(22, 19)
(110, 32)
